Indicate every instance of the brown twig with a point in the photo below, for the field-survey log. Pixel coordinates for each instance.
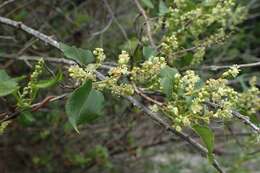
(138, 91)
(46, 39)
(35, 107)
(6, 3)
(148, 25)
(244, 119)
(36, 58)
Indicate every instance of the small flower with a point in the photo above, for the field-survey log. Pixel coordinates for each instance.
(3, 126)
(178, 128)
(154, 108)
(80, 74)
(100, 55)
(233, 71)
(186, 121)
(123, 58)
(196, 107)
(175, 110)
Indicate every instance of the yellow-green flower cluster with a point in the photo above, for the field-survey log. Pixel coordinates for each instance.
(188, 24)
(123, 58)
(154, 108)
(188, 104)
(28, 91)
(3, 126)
(81, 74)
(249, 101)
(112, 82)
(100, 55)
(112, 85)
(38, 70)
(227, 14)
(174, 112)
(232, 72)
(169, 44)
(115, 73)
(122, 68)
(222, 95)
(188, 82)
(149, 70)
(198, 55)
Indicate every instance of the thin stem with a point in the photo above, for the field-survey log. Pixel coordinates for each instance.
(148, 25)
(215, 67)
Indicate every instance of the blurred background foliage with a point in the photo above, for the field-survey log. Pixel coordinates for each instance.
(124, 140)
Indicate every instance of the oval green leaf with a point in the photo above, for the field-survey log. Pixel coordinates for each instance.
(207, 137)
(7, 84)
(81, 56)
(84, 105)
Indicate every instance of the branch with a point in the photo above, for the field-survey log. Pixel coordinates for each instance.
(244, 118)
(6, 3)
(36, 58)
(48, 59)
(182, 135)
(138, 91)
(155, 117)
(247, 121)
(19, 25)
(215, 67)
(34, 107)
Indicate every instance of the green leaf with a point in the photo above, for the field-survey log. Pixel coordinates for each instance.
(20, 78)
(148, 52)
(130, 45)
(21, 15)
(148, 3)
(137, 57)
(167, 75)
(4, 76)
(3, 126)
(242, 82)
(7, 84)
(163, 9)
(49, 82)
(81, 56)
(186, 60)
(207, 137)
(26, 118)
(84, 105)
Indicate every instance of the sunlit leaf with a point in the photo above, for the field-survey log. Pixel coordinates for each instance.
(207, 137)
(7, 84)
(84, 105)
(167, 75)
(49, 82)
(163, 9)
(81, 56)
(148, 3)
(148, 52)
